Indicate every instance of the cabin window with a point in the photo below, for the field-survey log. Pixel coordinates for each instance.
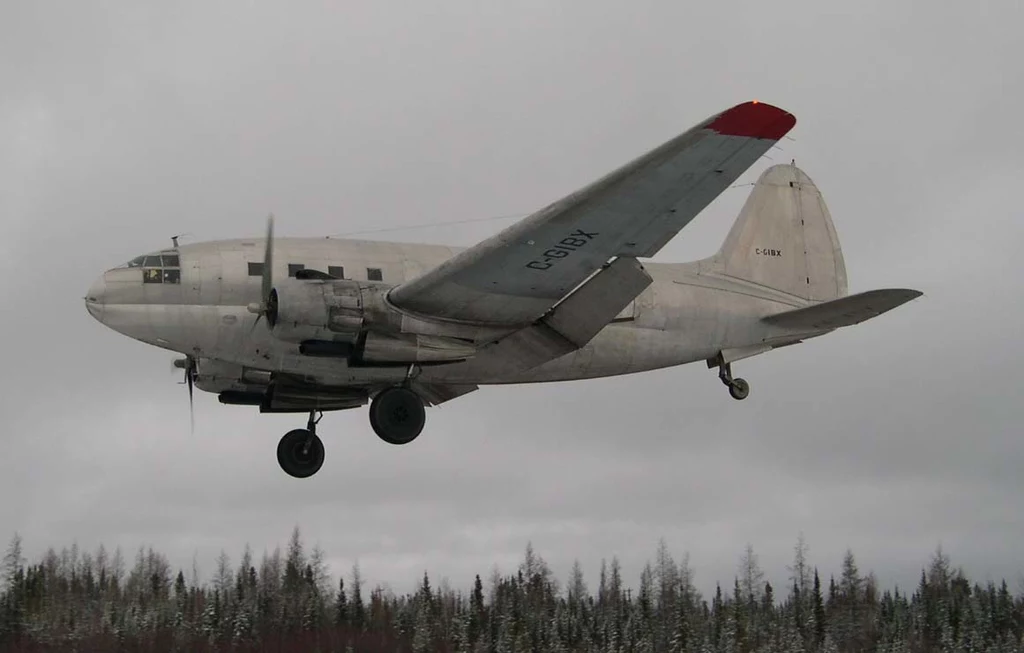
(172, 275)
(295, 267)
(152, 275)
(336, 271)
(255, 269)
(374, 274)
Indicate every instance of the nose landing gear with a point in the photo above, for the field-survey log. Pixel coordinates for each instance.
(300, 452)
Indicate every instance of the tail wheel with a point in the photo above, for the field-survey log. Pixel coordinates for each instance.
(739, 389)
(397, 415)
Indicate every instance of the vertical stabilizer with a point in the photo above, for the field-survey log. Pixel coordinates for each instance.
(784, 238)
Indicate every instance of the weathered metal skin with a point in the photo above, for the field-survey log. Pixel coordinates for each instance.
(683, 316)
(782, 254)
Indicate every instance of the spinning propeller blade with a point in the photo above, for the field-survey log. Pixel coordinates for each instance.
(267, 285)
(189, 365)
(268, 263)
(191, 401)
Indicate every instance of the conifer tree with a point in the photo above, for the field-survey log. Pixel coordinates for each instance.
(358, 609)
(819, 612)
(477, 613)
(13, 562)
(341, 617)
(667, 576)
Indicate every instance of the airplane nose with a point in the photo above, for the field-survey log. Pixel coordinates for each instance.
(95, 297)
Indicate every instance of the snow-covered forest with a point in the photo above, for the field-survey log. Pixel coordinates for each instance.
(287, 601)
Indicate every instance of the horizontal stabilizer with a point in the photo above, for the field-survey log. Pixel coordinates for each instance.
(844, 311)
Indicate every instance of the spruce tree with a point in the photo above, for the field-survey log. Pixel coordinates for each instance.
(358, 609)
(13, 562)
(477, 616)
(819, 612)
(341, 617)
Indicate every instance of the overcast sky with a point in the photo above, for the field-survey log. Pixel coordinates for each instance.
(122, 124)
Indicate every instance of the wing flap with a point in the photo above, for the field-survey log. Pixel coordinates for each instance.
(573, 322)
(435, 394)
(517, 275)
(845, 311)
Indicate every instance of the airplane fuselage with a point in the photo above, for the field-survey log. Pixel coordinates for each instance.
(689, 313)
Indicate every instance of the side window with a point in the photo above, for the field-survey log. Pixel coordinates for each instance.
(255, 269)
(172, 275)
(152, 275)
(337, 271)
(294, 267)
(374, 274)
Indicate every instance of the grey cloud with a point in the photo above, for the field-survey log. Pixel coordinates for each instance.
(122, 126)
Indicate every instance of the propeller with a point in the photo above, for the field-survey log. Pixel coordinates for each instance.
(267, 307)
(191, 371)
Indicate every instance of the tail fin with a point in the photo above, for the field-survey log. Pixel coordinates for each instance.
(784, 238)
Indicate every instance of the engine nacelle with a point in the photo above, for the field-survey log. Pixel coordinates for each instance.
(335, 311)
(351, 319)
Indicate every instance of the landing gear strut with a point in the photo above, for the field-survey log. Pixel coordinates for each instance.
(738, 388)
(300, 452)
(397, 415)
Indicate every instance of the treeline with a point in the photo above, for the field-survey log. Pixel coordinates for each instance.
(92, 601)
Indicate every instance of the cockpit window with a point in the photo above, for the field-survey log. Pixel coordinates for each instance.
(161, 267)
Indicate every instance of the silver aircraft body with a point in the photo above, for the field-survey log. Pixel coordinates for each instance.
(318, 324)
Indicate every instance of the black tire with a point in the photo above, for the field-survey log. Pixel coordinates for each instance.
(739, 389)
(397, 415)
(295, 458)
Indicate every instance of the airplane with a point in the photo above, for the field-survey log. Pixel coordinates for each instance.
(308, 325)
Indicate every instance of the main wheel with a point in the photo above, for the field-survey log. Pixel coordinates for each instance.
(397, 415)
(300, 453)
(739, 389)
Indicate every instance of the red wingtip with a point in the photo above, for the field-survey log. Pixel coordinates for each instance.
(753, 120)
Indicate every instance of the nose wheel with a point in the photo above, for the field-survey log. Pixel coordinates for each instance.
(300, 452)
(738, 388)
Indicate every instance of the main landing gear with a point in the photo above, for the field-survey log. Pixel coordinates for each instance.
(738, 388)
(396, 415)
(300, 452)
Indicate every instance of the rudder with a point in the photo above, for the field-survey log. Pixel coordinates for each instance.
(784, 238)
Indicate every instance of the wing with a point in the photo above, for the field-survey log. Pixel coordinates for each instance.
(845, 311)
(516, 276)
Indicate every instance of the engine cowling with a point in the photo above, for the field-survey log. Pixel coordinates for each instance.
(329, 311)
(352, 319)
